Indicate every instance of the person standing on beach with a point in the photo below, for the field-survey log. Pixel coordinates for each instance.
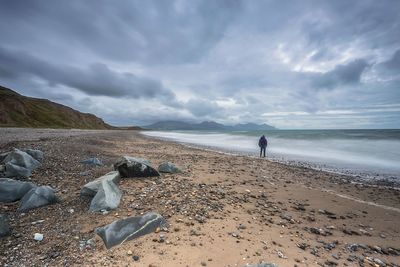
(262, 143)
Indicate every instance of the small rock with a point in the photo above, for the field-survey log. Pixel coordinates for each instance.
(168, 167)
(38, 237)
(242, 226)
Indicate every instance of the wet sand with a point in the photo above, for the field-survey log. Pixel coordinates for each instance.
(223, 210)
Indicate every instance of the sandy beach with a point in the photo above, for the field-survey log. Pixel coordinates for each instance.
(223, 210)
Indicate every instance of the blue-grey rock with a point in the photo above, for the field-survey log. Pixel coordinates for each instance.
(92, 162)
(5, 229)
(130, 228)
(107, 198)
(19, 163)
(168, 167)
(35, 153)
(13, 190)
(135, 167)
(37, 197)
(105, 192)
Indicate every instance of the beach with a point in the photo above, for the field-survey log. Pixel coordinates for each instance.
(222, 210)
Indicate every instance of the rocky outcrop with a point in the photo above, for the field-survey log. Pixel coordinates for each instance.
(105, 192)
(13, 190)
(37, 197)
(130, 228)
(135, 167)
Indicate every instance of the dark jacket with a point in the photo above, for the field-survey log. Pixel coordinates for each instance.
(263, 142)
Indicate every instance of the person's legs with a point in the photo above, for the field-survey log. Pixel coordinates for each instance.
(261, 151)
(264, 148)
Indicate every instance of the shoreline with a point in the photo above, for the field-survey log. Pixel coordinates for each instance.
(223, 210)
(368, 179)
(348, 178)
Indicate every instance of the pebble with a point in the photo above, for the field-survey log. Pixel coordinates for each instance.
(37, 222)
(38, 237)
(135, 258)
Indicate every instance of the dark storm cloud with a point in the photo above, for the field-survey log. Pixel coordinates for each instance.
(144, 31)
(334, 22)
(96, 79)
(341, 75)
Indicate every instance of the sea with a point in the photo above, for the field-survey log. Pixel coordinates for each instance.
(366, 155)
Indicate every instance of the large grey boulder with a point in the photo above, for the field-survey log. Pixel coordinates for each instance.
(127, 229)
(5, 229)
(105, 192)
(13, 190)
(90, 189)
(19, 163)
(37, 197)
(168, 167)
(135, 167)
(35, 153)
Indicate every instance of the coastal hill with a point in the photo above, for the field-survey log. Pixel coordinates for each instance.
(207, 125)
(21, 111)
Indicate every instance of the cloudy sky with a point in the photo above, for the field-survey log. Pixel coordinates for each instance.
(291, 64)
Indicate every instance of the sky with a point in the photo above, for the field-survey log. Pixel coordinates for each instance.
(291, 64)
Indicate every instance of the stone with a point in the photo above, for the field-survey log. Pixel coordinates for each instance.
(38, 237)
(5, 229)
(90, 189)
(317, 231)
(37, 197)
(92, 162)
(19, 163)
(105, 192)
(107, 198)
(36, 154)
(168, 167)
(13, 190)
(130, 228)
(135, 167)
(89, 244)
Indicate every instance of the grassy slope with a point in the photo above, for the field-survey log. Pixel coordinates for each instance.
(21, 111)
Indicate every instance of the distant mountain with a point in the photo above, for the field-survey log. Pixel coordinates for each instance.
(207, 125)
(21, 111)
